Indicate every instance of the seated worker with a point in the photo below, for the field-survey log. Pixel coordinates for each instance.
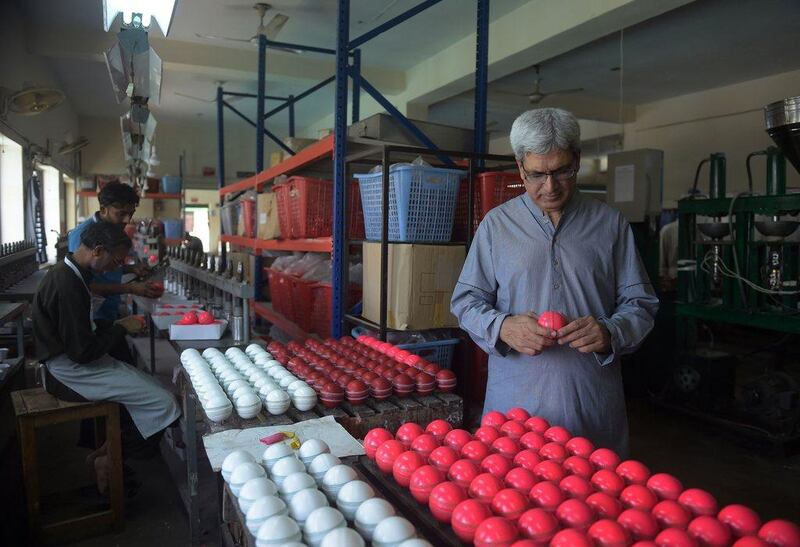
(75, 351)
(192, 243)
(118, 203)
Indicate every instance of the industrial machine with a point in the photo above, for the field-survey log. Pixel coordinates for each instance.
(738, 265)
(17, 262)
(221, 289)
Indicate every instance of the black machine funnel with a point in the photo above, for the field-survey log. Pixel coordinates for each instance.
(783, 125)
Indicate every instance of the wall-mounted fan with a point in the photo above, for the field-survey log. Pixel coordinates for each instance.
(270, 30)
(33, 100)
(537, 95)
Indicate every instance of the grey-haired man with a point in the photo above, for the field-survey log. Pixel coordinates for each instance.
(553, 249)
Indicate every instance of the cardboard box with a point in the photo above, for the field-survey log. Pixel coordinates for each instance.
(421, 279)
(267, 217)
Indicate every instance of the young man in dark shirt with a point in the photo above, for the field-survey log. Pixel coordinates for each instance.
(75, 351)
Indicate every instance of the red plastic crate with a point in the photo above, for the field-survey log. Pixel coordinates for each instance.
(303, 302)
(280, 290)
(305, 209)
(491, 189)
(322, 306)
(281, 192)
(310, 207)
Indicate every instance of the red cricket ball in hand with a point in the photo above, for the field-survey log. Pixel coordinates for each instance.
(552, 320)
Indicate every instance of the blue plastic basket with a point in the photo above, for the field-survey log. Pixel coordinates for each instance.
(173, 228)
(435, 351)
(171, 184)
(422, 202)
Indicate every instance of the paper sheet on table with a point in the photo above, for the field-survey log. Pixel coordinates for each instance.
(327, 429)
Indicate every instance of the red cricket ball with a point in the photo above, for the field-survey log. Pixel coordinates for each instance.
(546, 495)
(496, 464)
(699, 502)
(780, 533)
(553, 451)
(466, 518)
(404, 465)
(510, 503)
(457, 438)
(518, 413)
(494, 419)
(422, 481)
(742, 520)
(374, 438)
(463, 472)
(579, 446)
(576, 514)
(604, 505)
(549, 471)
(675, 537)
(205, 318)
(424, 445)
(637, 496)
(484, 487)
(570, 538)
(474, 450)
(189, 318)
(532, 440)
(506, 446)
(671, 514)
(538, 525)
(603, 458)
(609, 482)
(557, 434)
(537, 424)
(487, 434)
(438, 428)
(633, 472)
(640, 524)
(407, 432)
(442, 458)
(495, 531)
(513, 429)
(443, 500)
(665, 486)
(552, 320)
(577, 465)
(576, 487)
(387, 453)
(708, 531)
(521, 479)
(608, 533)
(528, 459)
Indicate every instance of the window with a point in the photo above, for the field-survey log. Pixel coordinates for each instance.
(12, 225)
(69, 202)
(51, 205)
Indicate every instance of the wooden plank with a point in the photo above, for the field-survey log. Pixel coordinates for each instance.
(115, 485)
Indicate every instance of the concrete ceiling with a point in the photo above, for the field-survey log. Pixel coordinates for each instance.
(703, 45)
(70, 33)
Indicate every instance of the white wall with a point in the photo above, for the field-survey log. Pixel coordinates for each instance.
(17, 69)
(197, 138)
(727, 119)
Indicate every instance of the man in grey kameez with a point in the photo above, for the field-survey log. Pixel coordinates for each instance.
(554, 249)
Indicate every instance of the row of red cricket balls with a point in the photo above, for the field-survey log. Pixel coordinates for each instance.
(344, 368)
(519, 481)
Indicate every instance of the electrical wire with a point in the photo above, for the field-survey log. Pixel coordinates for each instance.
(707, 265)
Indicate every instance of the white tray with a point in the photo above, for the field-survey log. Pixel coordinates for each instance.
(198, 332)
(162, 322)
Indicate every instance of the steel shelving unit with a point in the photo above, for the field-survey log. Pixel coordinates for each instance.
(336, 147)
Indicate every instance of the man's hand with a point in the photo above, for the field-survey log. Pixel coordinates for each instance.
(523, 334)
(586, 335)
(144, 289)
(133, 324)
(140, 269)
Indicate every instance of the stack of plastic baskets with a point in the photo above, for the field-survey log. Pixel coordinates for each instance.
(305, 209)
(322, 306)
(491, 189)
(280, 290)
(422, 202)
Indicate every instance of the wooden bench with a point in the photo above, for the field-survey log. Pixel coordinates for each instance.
(35, 408)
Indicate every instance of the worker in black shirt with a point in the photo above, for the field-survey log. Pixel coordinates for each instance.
(75, 352)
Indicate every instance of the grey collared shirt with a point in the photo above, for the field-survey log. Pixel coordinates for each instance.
(587, 265)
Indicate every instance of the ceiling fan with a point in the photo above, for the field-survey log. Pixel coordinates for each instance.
(212, 99)
(537, 95)
(270, 30)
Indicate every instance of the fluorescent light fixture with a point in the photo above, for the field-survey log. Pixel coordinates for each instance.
(159, 10)
(133, 66)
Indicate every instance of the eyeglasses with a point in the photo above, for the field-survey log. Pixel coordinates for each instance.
(559, 175)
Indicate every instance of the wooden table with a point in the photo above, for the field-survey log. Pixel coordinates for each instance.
(10, 311)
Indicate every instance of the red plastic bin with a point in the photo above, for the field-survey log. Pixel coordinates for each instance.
(491, 189)
(280, 290)
(303, 302)
(281, 192)
(322, 306)
(305, 209)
